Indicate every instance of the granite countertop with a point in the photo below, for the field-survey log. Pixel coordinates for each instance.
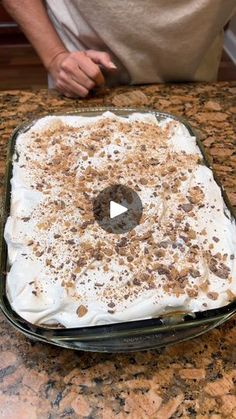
(194, 379)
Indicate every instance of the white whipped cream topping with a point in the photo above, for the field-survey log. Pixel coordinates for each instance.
(39, 296)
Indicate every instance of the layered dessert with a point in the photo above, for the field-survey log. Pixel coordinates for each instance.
(66, 271)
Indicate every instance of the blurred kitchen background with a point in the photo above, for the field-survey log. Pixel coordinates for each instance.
(20, 67)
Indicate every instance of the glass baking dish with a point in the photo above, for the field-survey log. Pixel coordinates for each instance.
(119, 337)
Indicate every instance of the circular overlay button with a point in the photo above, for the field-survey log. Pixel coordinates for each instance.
(117, 209)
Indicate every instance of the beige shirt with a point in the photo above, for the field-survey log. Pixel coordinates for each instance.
(150, 41)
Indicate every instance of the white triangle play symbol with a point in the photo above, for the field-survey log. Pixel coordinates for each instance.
(116, 209)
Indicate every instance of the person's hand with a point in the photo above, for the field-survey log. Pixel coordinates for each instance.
(76, 73)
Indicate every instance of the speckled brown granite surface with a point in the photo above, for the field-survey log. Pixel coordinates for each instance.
(195, 379)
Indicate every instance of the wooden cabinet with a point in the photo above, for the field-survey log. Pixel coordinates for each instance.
(10, 33)
(20, 67)
(4, 16)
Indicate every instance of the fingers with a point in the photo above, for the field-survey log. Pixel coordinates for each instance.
(102, 58)
(89, 68)
(71, 68)
(70, 87)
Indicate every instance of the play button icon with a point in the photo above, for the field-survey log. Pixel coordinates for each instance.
(117, 209)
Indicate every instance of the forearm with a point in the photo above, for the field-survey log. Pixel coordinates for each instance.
(32, 17)
(74, 73)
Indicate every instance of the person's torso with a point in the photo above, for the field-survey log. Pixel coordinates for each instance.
(152, 41)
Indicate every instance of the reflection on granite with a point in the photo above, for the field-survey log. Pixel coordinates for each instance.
(191, 379)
